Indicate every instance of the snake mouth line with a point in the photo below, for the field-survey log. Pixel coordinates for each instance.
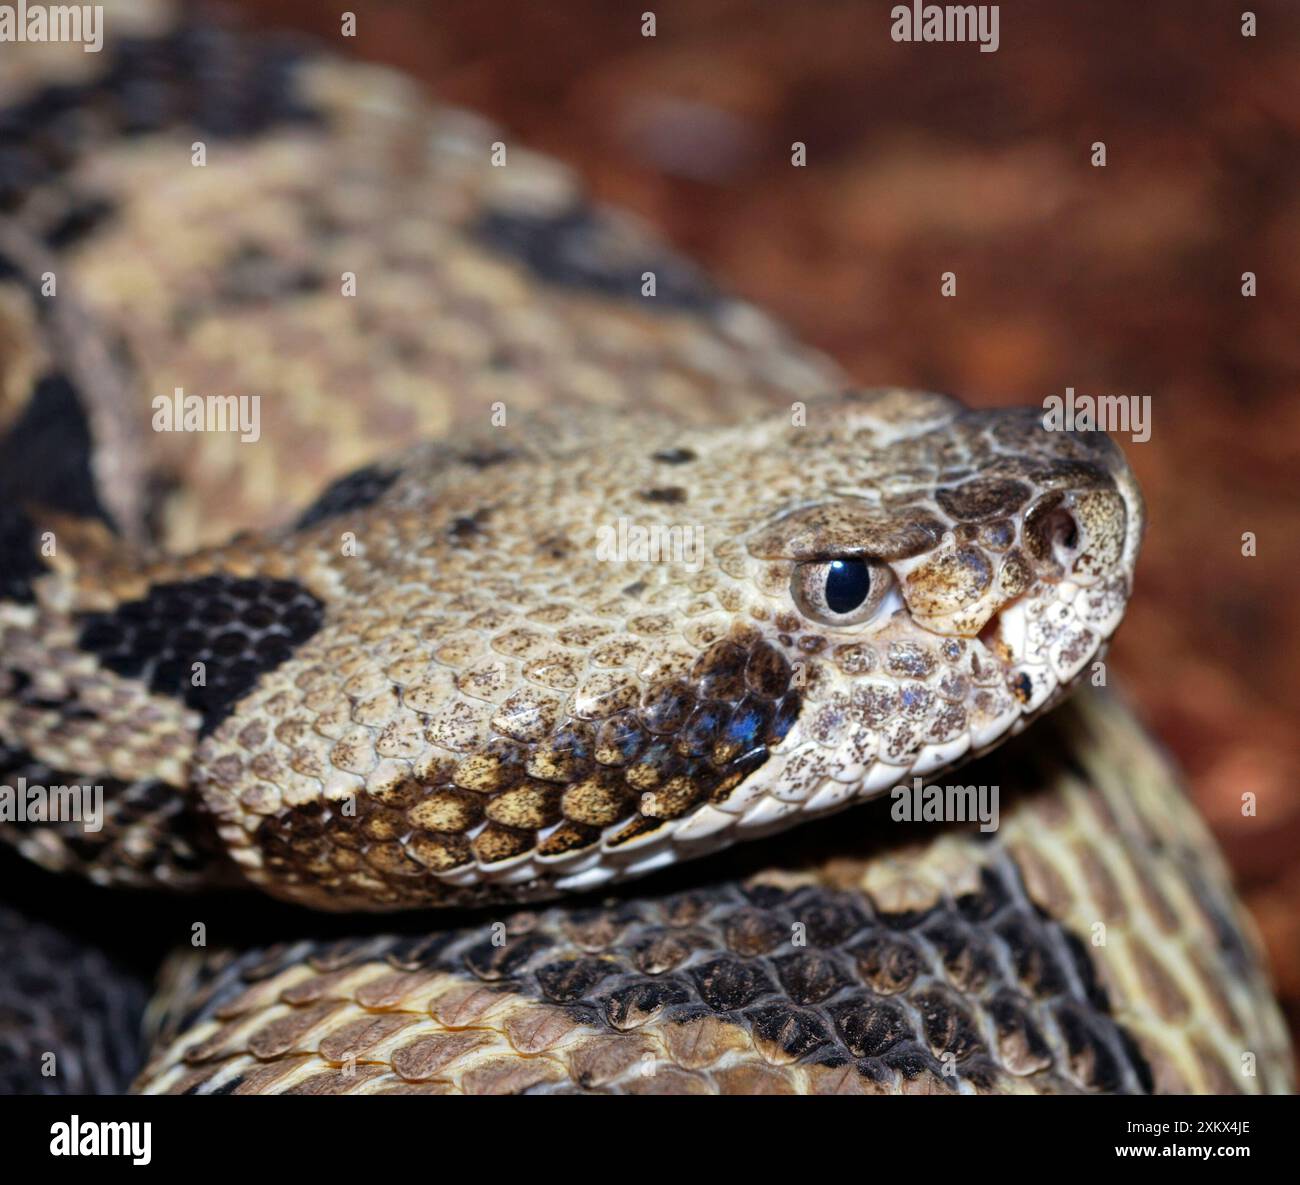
(990, 636)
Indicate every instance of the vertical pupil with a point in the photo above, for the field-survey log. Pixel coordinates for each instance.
(847, 584)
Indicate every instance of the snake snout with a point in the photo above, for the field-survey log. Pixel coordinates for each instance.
(1077, 535)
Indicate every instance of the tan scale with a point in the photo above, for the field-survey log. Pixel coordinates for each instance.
(490, 699)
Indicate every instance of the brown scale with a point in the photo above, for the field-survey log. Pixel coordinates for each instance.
(686, 742)
(984, 498)
(824, 985)
(695, 734)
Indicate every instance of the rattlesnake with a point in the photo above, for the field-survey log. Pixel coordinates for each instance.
(648, 591)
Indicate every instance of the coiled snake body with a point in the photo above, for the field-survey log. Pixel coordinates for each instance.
(648, 593)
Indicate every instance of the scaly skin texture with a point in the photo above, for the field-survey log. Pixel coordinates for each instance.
(475, 284)
(390, 716)
(453, 731)
(1092, 944)
(455, 680)
(465, 697)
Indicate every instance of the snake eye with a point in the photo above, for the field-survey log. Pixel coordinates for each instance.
(841, 592)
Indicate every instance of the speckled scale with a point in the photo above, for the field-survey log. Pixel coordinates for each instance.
(812, 977)
(486, 709)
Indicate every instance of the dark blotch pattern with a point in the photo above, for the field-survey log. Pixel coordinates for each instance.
(580, 248)
(616, 777)
(45, 456)
(79, 220)
(20, 557)
(810, 975)
(238, 628)
(668, 495)
(200, 75)
(704, 735)
(45, 464)
(354, 491)
(251, 275)
(486, 458)
(150, 831)
(675, 456)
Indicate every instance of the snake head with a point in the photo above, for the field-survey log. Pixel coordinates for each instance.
(517, 686)
(948, 574)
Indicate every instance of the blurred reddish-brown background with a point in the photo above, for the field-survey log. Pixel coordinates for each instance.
(929, 158)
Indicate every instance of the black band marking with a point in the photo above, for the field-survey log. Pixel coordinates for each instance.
(354, 491)
(238, 628)
(200, 75)
(864, 990)
(580, 248)
(45, 457)
(20, 557)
